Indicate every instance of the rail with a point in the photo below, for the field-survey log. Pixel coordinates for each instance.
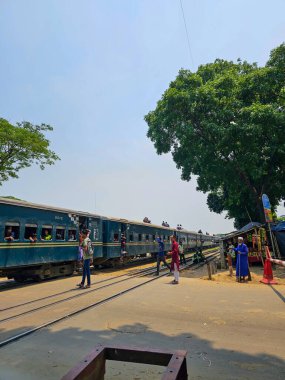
(85, 308)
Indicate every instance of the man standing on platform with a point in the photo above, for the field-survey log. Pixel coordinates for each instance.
(241, 260)
(175, 260)
(160, 255)
(87, 251)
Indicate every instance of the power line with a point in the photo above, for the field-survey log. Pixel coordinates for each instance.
(187, 34)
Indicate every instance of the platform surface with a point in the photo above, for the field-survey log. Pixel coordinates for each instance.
(231, 331)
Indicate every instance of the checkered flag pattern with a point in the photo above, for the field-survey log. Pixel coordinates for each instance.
(74, 218)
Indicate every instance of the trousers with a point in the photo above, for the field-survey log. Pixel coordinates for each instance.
(86, 272)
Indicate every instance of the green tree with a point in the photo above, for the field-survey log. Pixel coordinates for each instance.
(22, 145)
(225, 124)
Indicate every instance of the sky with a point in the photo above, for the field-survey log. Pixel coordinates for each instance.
(93, 69)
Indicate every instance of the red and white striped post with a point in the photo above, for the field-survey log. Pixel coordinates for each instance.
(278, 262)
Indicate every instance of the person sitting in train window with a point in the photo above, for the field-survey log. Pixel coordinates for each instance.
(71, 236)
(47, 235)
(9, 235)
(33, 238)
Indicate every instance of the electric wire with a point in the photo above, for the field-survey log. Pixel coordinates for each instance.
(187, 34)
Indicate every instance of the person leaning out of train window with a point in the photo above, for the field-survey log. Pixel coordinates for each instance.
(123, 243)
(33, 238)
(10, 235)
(47, 235)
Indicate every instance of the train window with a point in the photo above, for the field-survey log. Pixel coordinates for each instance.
(147, 237)
(131, 237)
(12, 231)
(116, 237)
(140, 237)
(153, 237)
(60, 233)
(30, 232)
(71, 234)
(46, 233)
(164, 237)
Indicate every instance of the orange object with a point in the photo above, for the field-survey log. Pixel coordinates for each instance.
(267, 270)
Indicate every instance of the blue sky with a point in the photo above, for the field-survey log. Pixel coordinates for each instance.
(93, 69)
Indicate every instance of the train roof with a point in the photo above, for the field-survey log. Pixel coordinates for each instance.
(20, 203)
(121, 220)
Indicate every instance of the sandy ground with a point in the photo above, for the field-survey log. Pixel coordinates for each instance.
(223, 275)
(231, 331)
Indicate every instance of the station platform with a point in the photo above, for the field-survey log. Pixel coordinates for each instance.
(230, 331)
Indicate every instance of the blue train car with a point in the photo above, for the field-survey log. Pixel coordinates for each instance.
(41, 241)
(192, 240)
(140, 239)
(125, 239)
(38, 241)
(188, 239)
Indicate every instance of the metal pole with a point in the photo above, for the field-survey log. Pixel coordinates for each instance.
(272, 240)
(276, 246)
(209, 271)
(222, 255)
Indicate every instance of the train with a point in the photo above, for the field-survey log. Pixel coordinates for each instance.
(30, 254)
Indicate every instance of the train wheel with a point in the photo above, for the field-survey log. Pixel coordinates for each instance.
(19, 278)
(38, 278)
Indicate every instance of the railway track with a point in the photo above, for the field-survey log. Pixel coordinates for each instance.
(47, 314)
(11, 284)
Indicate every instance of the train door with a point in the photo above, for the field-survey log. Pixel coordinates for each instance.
(94, 225)
(105, 238)
(124, 229)
(83, 223)
(123, 239)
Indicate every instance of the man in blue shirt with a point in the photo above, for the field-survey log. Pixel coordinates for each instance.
(160, 255)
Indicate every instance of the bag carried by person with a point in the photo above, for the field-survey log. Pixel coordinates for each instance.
(90, 248)
(88, 253)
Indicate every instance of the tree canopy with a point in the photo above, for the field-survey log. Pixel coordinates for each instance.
(22, 145)
(225, 124)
